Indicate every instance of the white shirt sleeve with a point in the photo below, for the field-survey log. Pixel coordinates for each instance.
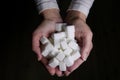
(81, 5)
(46, 4)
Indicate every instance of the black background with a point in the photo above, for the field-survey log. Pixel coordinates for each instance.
(18, 62)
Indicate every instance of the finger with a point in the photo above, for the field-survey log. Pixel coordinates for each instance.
(45, 63)
(74, 67)
(58, 72)
(86, 48)
(77, 35)
(67, 73)
(91, 46)
(36, 45)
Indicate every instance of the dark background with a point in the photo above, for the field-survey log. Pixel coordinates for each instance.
(18, 62)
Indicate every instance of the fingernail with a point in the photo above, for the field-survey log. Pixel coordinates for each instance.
(39, 58)
(84, 57)
(60, 75)
(52, 74)
(68, 74)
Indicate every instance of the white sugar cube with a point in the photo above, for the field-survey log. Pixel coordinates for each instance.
(63, 44)
(53, 63)
(72, 44)
(60, 56)
(53, 53)
(57, 44)
(71, 35)
(62, 66)
(78, 48)
(76, 55)
(67, 51)
(45, 52)
(48, 48)
(58, 27)
(59, 36)
(44, 40)
(64, 39)
(68, 61)
(71, 28)
(70, 31)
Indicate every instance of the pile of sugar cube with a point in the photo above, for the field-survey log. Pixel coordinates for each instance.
(61, 48)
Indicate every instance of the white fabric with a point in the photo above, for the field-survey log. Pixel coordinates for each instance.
(43, 1)
(78, 5)
(81, 5)
(46, 4)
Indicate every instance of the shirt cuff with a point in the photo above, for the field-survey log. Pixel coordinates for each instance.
(81, 5)
(46, 4)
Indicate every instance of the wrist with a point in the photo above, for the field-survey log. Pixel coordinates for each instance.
(75, 15)
(52, 14)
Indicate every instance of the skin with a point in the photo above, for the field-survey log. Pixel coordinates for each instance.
(83, 34)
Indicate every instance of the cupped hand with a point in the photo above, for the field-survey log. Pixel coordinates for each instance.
(83, 35)
(44, 29)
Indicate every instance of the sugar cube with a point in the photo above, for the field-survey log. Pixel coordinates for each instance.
(57, 44)
(63, 44)
(67, 51)
(72, 44)
(76, 55)
(70, 31)
(62, 66)
(53, 63)
(68, 61)
(47, 50)
(60, 56)
(59, 36)
(53, 53)
(58, 27)
(44, 40)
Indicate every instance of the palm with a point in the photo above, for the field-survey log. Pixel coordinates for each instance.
(44, 29)
(83, 35)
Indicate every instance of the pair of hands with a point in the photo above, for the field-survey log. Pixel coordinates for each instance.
(82, 33)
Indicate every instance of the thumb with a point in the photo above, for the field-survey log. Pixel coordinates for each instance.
(36, 45)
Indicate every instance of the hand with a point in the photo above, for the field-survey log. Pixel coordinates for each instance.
(51, 17)
(83, 35)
